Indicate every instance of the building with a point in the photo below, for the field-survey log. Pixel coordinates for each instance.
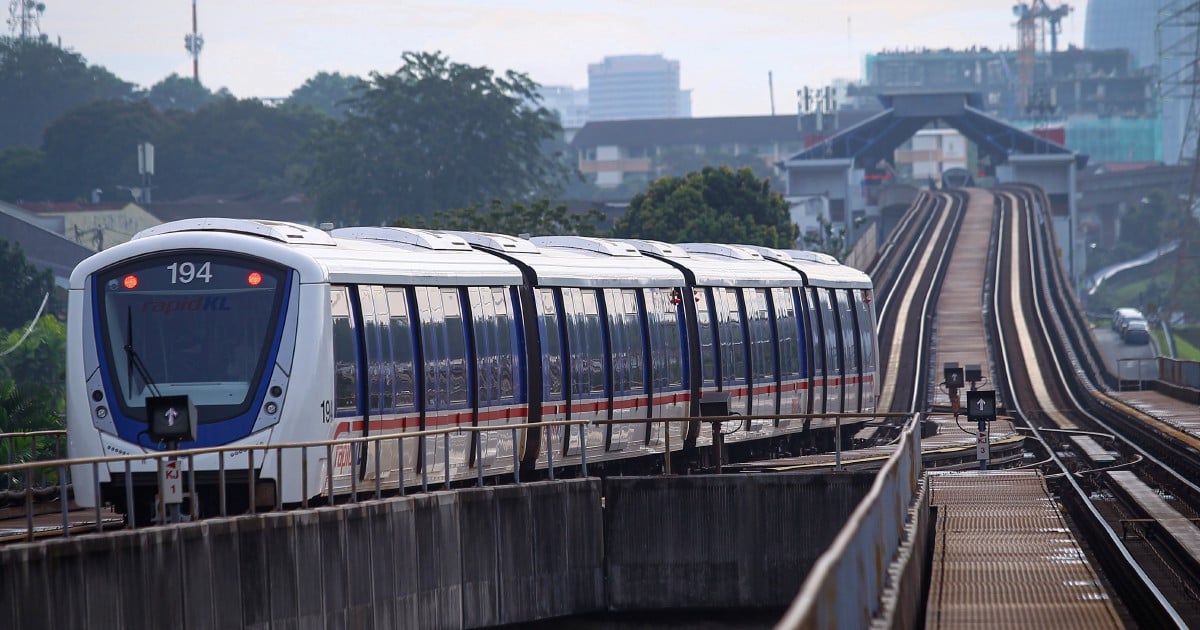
(569, 103)
(617, 152)
(1123, 24)
(628, 87)
(42, 246)
(94, 226)
(1104, 101)
(1139, 27)
(929, 153)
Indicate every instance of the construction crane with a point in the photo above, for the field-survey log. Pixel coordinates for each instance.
(1034, 21)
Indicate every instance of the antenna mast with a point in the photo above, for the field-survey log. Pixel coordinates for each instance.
(23, 18)
(193, 42)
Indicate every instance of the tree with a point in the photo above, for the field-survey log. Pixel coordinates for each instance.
(176, 92)
(327, 92)
(23, 174)
(433, 135)
(233, 146)
(39, 81)
(22, 287)
(714, 205)
(95, 146)
(33, 377)
(538, 218)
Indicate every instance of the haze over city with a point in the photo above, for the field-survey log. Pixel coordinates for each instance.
(725, 49)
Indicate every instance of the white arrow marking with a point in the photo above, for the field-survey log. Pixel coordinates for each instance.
(982, 404)
(171, 414)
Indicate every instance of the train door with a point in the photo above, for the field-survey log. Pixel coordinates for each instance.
(553, 364)
(348, 396)
(587, 376)
(706, 344)
(448, 378)
(764, 382)
(851, 361)
(498, 374)
(668, 362)
(867, 347)
(626, 365)
(400, 378)
(373, 379)
(834, 375)
(791, 351)
(732, 365)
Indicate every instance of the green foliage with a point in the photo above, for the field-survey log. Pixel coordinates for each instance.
(182, 93)
(1187, 342)
(232, 146)
(715, 205)
(23, 174)
(328, 93)
(32, 378)
(95, 146)
(538, 219)
(22, 287)
(39, 81)
(431, 136)
(1142, 227)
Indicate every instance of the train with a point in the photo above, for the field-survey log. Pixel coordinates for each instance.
(280, 333)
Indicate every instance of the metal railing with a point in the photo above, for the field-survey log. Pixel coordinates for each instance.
(1179, 373)
(845, 586)
(57, 471)
(1134, 374)
(23, 448)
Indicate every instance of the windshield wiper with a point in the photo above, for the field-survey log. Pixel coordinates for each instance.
(134, 361)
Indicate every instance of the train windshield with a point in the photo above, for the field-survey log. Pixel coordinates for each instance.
(192, 323)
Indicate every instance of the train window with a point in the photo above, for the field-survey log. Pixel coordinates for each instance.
(787, 331)
(401, 340)
(196, 325)
(866, 329)
(666, 338)
(730, 336)
(443, 339)
(345, 351)
(586, 342)
(625, 337)
(493, 344)
(846, 312)
(762, 348)
(551, 336)
(708, 354)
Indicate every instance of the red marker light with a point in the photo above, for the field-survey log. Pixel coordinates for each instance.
(130, 281)
(254, 278)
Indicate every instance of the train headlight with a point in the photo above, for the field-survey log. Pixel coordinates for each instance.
(102, 412)
(271, 408)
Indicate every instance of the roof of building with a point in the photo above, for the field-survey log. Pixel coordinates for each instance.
(42, 247)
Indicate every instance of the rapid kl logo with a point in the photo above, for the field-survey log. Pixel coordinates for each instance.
(196, 304)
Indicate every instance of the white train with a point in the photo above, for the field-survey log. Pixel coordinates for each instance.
(279, 333)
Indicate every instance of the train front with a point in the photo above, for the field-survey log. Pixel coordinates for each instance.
(207, 325)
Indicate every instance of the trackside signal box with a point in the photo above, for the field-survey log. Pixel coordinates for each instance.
(981, 405)
(172, 419)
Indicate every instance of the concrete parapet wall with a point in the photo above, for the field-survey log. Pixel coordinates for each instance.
(470, 558)
(730, 541)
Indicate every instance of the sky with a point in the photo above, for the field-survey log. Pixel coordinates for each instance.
(725, 48)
